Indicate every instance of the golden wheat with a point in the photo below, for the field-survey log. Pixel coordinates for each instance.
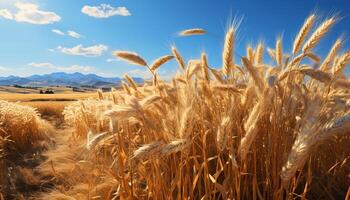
(213, 134)
(194, 31)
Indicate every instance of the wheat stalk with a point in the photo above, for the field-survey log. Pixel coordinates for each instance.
(175, 146)
(205, 67)
(160, 61)
(223, 133)
(331, 55)
(304, 31)
(259, 54)
(319, 33)
(146, 151)
(126, 88)
(227, 54)
(279, 52)
(250, 53)
(131, 82)
(93, 140)
(130, 57)
(194, 31)
(254, 73)
(217, 75)
(313, 57)
(178, 58)
(342, 63)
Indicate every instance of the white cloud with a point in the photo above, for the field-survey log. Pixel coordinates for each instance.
(111, 60)
(6, 14)
(105, 11)
(58, 32)
(42, 65)
(145, 74)
(70, 33)
(74, 34)
(76, 68)
(72, 68)
(79, 50)
(4, 69)
(30, 13)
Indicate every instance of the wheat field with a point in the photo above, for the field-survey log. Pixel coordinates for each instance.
(252, 129)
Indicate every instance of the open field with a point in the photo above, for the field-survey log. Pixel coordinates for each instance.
(49, 106)
(252, 129)
(18, 90)
(13, 97)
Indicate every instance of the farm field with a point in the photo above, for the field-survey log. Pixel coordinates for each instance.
(271, 122)
(23, 90)
(13, 97)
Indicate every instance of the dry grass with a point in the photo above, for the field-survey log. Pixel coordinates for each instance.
(247, 131)
(22, 132)
(50, 110)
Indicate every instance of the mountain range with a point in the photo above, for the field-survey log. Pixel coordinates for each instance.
(64, 79)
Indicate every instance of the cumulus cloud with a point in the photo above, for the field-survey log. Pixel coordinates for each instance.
(6, 14)
(42, 65)
(59, 32)
(105, 11)
(69, 33)
(79, 50)
(72, 68)
(30, 13)
(74, 34)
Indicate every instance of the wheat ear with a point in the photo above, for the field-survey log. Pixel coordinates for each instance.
(130, 57)
(318, 34)
(331, 55)
(178, 58)
(227, 54)
(160, 61)
(193, 31)
(304, 31)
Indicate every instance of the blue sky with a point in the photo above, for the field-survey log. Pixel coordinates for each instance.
(42, 36)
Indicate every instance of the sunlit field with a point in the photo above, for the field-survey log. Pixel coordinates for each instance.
(240, 132)
(268, 123)
(46, 97)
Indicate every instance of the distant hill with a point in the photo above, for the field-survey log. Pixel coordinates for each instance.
(64, 79)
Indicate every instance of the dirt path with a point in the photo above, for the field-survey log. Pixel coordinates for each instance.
(28, 177)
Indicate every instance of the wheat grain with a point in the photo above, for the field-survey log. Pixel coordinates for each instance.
(160, 61)
(331, 55)
(194, 31)
(205, 67)
(259, 54)
(178, 58)
(223, 133)
(304, 31)
(279, 52)
(131, 82)
(130, 57)
(147, 150)
(318, 34)
(227, 55)
(175, 146)
(342, 63)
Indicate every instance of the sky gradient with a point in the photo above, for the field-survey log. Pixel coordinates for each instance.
(42, 36)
